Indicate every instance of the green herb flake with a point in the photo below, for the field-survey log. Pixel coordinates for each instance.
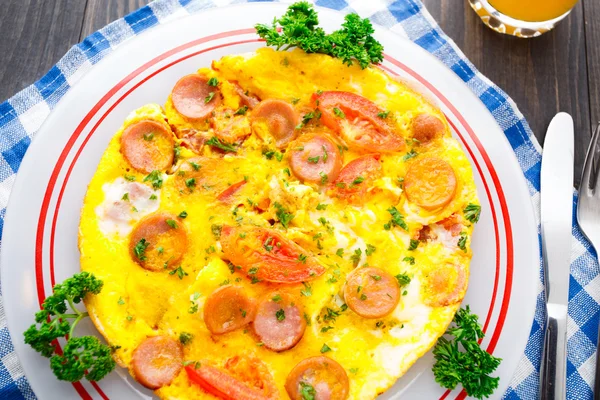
(171, 223)
(280, 315)
(183, 214)
(217, 143)
(139, 250)
(208, 98)
(155, 178)
(213, 82)
(472, 212)
(325, 348)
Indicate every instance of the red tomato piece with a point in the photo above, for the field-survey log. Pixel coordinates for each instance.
(357, 177)
(357, 120)
(244, 378)
(265, 254)
(226, 195)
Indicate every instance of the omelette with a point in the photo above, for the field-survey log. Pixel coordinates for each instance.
(284, 226)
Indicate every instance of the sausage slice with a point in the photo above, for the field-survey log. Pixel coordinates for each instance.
(157, 361)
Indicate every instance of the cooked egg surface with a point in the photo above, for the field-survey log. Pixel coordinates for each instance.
(352, 186)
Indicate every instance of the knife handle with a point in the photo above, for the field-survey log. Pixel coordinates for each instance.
(553, 384)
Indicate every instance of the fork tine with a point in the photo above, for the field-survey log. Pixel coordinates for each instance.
(589, 178)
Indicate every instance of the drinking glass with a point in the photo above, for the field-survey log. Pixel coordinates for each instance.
(522, 18)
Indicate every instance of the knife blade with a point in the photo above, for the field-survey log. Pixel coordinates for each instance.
(556, 191)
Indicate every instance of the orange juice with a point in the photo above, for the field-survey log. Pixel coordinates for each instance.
(533, 10)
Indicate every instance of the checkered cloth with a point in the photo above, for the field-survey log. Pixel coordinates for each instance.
(22, 115)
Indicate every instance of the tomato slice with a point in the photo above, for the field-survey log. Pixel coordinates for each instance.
(245, 379)
(357, 177)
(227, 194)
(356, 119)
(265, 254)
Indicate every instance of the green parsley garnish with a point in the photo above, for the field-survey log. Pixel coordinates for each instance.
(185, 338)
(183, 214)
(472, 212)
(462, 360)
(140, 249)
(358, 180)
(397, 219)
(302, 258)
(171, 223)
(125, 197)
(280, 315)
(299, 28)
(284, 216)
(130, 178)
(241, 111)
(339, 252)
(276, 298)
(155, 178)
(339, 113)
(194, 165)
(462, 241)
(153, 197)
(409, 155)
(179, 271)
(82, 356)
(307, 291)
(383, 114)
(208, 98)
(307, 391)
(370, 249)
(322, 206)
(226, 147)
(314, 160)
(325, 348)
(213, 82)
(403, 279)
(190, 183)
(410, 260)
(414, 243)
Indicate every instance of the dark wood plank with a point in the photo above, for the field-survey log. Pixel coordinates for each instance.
(543, 76)
(592, 31)
(101, 12)
(35, 34)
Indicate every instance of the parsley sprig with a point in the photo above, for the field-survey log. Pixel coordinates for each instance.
(462, 360)
(82, 356)
(299, 28)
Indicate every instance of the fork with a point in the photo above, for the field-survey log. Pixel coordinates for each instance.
(588, 214)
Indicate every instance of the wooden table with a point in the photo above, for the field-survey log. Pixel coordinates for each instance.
(559, 71)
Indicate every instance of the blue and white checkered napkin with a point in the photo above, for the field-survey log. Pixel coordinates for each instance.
(22, 115)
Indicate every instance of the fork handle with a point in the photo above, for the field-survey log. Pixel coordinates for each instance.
(554, 359)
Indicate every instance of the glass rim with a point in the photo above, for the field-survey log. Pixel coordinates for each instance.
(517, 23)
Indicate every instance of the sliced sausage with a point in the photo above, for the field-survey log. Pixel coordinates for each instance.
(315, 158)
(229, 127)
(426, 127)
(280, 117)
(445, 285)
(226, 196)
(430, 183)
(265, 254)
(357, 177)
(158, 241)
(227, 309)
(371, 292)
(157, 361)
(194, 98)
(148, 146)
(279, 321)
(320, 376)
(246, 99)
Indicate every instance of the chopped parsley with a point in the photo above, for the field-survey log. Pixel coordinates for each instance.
(314, 160)
(356, 256)
(403, 279)
(414, 243)
(324, 177)
(216, 230)
(213, 81)
(397, 219)
(153, 197)
(208, 98)
(284, 216)
(307, 291)
(121, 301)
(130, 178)
(179, 271)
(472, 212)
(226, 147)
(410, 260)
(276, 298)
(280, 315)
(370, 249)
(302, 258)
(358, 180)
(383, 114)
(307, 391)
(125, 197)
(339, 113)
(185, 338)
(183, 214)
(409, 155)
(171, 223)
(322, 206)
(148, 136)
(140, 249)
(462, 241)
(194, 165)
(325, 348)
(155, 178)
(339, 252)
(241, 111)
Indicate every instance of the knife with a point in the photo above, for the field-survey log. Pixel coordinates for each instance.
(556, 215)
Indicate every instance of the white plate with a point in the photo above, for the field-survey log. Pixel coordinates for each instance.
(41, 225)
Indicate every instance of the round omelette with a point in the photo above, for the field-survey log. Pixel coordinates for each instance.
(285, 226)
